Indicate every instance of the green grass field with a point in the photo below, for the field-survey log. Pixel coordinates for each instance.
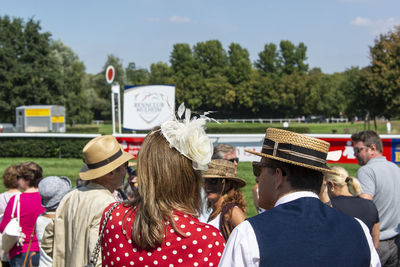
(71, 168)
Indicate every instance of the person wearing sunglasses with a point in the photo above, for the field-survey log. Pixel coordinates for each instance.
(296, 229)
(224, 196)
(380, 182)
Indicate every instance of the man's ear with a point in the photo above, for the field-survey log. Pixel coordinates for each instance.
(373, 147)
(279, 178)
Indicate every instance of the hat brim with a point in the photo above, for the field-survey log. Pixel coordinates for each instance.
(240, 181)
(323, 170)
(91, 174)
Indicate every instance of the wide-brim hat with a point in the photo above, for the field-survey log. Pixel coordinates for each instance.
(221, 168)
(102, 155)
(52, 189)
(294, 148)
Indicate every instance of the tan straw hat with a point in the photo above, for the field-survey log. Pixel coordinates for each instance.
(221, 168)
(102, 155)
(294, 148)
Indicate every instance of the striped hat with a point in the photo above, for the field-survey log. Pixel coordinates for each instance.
(294, 148)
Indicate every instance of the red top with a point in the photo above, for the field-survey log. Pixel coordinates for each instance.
(30, 209)
(203, 246)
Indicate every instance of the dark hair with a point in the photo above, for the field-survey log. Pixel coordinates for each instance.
(10, 177)
(368, 137)
(31, 172)
(300, 178)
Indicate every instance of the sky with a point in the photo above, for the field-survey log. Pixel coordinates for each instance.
(337, 33)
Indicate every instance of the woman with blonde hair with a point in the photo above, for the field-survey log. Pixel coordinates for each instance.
(224, 196)
(344, 192)
(160, 226)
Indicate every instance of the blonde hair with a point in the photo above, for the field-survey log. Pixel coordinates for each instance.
(342, 178)
(166, 182)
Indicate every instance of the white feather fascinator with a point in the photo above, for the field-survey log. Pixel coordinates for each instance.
(189, 138)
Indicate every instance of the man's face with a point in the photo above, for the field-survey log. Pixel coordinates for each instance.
(267, 192)
(120, 174)
(362, 153)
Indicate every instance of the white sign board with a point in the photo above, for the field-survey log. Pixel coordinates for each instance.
(147, 106)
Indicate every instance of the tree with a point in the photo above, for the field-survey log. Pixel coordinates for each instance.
(269, 61)
(210, 58)
(160, 73)
(182, 62)
(381, 80)
(71, 75)
(239, 64)
(28, 72)
(136, 76)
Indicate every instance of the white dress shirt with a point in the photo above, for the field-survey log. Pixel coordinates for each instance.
(242, 247)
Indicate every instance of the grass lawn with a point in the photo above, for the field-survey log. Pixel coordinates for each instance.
(71, 168)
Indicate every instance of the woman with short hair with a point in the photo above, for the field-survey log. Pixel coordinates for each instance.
(160, 226)
(29, 175)
(11, 183)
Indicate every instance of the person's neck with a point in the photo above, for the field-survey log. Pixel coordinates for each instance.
(31, 190)
(344, 191)
(12, 190)
(105, 184)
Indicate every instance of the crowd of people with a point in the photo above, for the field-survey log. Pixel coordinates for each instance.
(183, 206)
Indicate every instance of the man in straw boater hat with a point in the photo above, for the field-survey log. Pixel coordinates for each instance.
(77, 220)
(297, 229)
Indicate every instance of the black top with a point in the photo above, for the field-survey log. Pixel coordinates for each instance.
(361, 208)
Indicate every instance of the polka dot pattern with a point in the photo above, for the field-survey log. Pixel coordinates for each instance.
(200, 245)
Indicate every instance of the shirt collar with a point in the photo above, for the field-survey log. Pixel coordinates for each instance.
(295, 195)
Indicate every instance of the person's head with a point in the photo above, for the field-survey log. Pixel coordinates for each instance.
(166, 176)
(224, 151)
(29, 175)
(289, 162)
(169, 178)
(220, 179)
(367, 145)
(52, 189)
(340, 182)
(10, 177)
(106, 163)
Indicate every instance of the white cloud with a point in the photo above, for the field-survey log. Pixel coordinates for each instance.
(377, 26)
(178, 19)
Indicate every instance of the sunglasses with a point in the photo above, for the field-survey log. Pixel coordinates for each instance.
(233, 160)
(257, 167)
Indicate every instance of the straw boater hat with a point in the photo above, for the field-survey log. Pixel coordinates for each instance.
(221, 168)
(102, 155)
(294, 148)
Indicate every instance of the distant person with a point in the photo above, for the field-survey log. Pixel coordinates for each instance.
(380, 182)
(51, 189)
(222, 188)
(221, 151)
(10, 182)
(296, 229)
(339, 185)
(77, 218)
(160, 227)
(29, 175)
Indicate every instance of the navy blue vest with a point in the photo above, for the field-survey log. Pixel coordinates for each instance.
(306, 232)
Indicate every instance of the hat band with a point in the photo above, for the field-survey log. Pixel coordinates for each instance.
(106, 161)
(294, 153)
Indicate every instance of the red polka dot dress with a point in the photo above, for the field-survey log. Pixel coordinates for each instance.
(203, 245)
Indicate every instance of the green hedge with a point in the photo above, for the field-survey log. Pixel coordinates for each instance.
(251, 129)
(42, 147)
(83, 129)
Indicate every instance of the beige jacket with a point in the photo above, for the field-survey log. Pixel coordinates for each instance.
(76, 226)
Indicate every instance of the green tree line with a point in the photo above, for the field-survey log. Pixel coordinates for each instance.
(35, 69)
